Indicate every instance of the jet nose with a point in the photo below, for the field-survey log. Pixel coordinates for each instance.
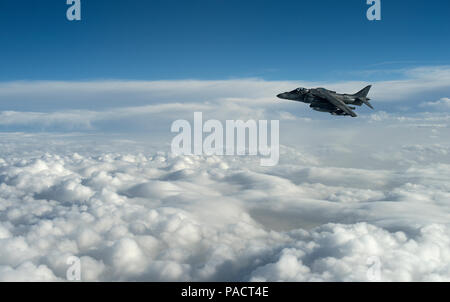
(281, 95)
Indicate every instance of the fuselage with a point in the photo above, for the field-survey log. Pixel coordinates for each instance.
(324, 100)
(305, 96)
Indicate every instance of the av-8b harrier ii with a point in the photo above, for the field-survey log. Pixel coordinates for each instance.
(324, 100)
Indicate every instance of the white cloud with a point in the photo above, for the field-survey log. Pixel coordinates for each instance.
(151, 216)
(443, 103)
(132, 105)
(341, 253)
(26, 272)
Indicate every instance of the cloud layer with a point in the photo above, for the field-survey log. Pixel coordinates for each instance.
(145, 105)
(151, 216)
(363, 199)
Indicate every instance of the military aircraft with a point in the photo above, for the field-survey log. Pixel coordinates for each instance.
(324, 100)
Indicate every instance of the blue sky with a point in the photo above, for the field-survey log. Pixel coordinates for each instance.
(324, 40)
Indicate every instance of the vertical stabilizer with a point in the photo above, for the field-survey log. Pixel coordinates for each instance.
(364, 92)
(362, 96)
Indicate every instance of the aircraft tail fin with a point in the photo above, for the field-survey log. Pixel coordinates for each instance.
(364, 92)
(362, 96)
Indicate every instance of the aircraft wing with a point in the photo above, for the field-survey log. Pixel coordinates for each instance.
(335, 101)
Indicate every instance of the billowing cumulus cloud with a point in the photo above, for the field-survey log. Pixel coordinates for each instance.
(132, 215)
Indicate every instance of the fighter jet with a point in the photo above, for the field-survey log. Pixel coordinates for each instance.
(324, 100)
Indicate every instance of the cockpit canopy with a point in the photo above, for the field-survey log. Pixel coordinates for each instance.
(300, 90)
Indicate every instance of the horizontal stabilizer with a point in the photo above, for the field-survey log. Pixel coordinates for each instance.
(366, 101)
